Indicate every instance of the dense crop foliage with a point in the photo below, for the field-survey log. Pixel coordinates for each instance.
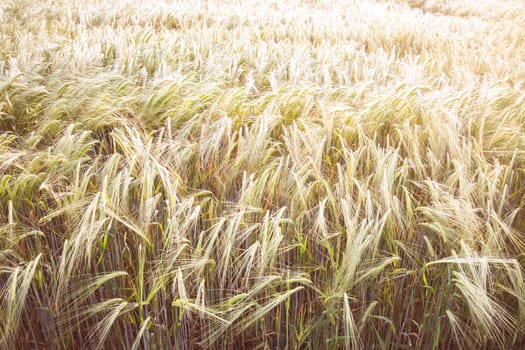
(262, 174)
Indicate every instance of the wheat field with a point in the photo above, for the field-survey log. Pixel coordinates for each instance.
(242, 174)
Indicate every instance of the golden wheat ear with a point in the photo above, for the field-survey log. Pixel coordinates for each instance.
(225, 174)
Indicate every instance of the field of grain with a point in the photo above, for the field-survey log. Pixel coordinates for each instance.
(242, 174)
